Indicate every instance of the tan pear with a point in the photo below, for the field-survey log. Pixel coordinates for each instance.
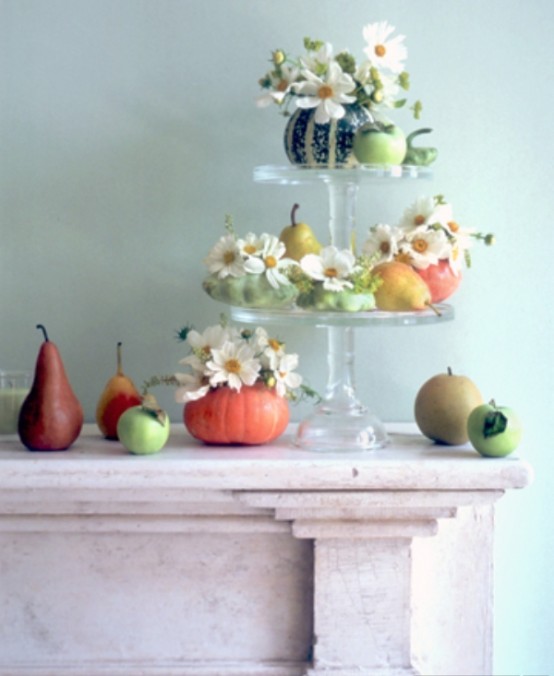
(118, 395)
(298, 238)
(402, 289)
(442, 407)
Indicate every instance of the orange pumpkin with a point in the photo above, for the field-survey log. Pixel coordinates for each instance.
(254, 415)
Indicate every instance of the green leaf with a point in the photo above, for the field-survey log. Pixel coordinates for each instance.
(495, 423)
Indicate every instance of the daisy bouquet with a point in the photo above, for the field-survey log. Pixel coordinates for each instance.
(429, 239)
(327, 81)
(249, 271)
(226, 356)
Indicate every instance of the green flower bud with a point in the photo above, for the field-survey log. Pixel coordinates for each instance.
(347, 62)
(278, 57)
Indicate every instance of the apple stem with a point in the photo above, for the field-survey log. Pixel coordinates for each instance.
(41, 327)
(119, 360)
(293, 214)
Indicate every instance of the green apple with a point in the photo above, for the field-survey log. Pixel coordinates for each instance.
(494, 431)
(379, 143)
(144, 429)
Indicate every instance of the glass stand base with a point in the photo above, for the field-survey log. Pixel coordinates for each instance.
(328, 429)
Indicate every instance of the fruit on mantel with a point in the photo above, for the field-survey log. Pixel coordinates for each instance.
(379, 143)
(402, 289)
(443, 405)
(51, 416)
(441, 280)
(118, 395)
(494, 431)
(299, 239)
(144, 429)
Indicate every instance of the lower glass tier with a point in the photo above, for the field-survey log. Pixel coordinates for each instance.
(341, 422)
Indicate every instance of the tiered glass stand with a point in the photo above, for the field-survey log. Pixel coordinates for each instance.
(341, 421)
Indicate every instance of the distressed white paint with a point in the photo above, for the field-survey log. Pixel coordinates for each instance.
(247, 561)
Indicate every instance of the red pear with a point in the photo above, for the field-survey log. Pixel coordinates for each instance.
(51, 417)
(118, 395)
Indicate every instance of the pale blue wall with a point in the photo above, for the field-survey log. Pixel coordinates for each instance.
(128, 131)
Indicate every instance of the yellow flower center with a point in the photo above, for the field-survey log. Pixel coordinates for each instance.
(282, 86)
(453, 226)
(274, 344)
(270, 261)
(232, 366)
(380, 50)
(420, 245)
(419, 219)
(384, 247)
(325, 92)
(228, 257)
(249, 249)
(403, 257)
(331, 272)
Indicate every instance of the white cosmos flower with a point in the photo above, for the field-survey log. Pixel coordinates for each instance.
(270, 261)
(192, 386)
(281, 83)
(318, 62)
(383, 52)
(332, 267)
(326, 94)
(382, 242)
(425, 247)
(234, 365)
(211, 337)
(422, 212)
(269, 347)
(283, 371)
(225, 259)
(251, 245)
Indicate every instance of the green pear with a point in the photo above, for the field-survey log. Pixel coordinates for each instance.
(298, 238)
(402, 289)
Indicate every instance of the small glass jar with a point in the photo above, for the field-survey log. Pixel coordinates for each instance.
(14, 387)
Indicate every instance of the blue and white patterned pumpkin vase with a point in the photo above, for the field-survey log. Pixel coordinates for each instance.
(324, 145)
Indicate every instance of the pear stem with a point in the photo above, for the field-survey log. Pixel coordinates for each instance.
(293, 214)
(449, 371)
(41, 327)
(435, 309)
(119, 360)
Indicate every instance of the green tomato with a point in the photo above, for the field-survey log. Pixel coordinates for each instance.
(377, 143)
(142, 431)
(494, 431)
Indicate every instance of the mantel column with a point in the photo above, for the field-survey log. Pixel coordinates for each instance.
(365, 607)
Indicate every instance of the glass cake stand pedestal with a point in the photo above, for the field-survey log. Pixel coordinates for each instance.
(341, 422)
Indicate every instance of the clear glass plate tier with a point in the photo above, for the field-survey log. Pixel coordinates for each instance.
(298, 316)
(294, 175)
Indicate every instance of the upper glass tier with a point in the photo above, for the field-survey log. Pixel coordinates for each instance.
(294, 175)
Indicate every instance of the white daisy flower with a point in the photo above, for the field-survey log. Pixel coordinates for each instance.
(251, 245)
(285, 377)
(422, 212)
(203, 343)
(383, 52)
(270, 261)
(318, 62)
(192, 386)
(331, 266)
(234, 365)
(326, 94)
(382, 242)
(280, 85)
(225, 259)
(268, 345)
(425, 247)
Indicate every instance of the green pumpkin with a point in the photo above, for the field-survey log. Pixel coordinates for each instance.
(322, 300)
(324, 145)
(253, 291)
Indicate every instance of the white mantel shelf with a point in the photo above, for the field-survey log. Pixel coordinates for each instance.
(248, 561)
